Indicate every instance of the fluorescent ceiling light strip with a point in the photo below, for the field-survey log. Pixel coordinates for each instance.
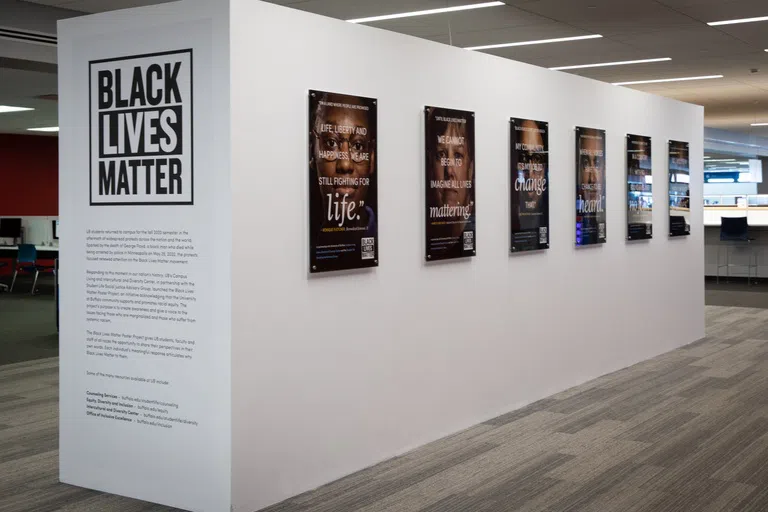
(44, 129)
(7, 108)
(663, 80)
(442, 10)
(733, 22)
(759, 124)
(722, 160)
(604, 64)
(540, 41)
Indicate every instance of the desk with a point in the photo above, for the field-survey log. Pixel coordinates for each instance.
(40, 249)
(756, 215)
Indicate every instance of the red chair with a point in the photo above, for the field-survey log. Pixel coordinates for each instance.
(3, 287)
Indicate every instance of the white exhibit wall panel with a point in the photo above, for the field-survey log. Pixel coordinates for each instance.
(336, 372)
(145, 251)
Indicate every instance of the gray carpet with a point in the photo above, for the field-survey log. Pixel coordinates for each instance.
(28, 323)
(736, 293)
(685, 431)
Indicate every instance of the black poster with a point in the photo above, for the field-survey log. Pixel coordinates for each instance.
(529, 178)
(639, 188)
(590, 186)
(679, 189)
(343, 213)
(450, 183)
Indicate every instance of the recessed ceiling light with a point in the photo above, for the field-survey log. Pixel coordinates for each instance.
(759, 124)
(733, 22)
(721, 160)
(540, 41)
(662, 80)
(426, 12)
(7, 108)
(617, 63)
(44, 129)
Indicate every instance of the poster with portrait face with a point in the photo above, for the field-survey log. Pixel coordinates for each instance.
(529, 178)
(679, 189)
(590, 186)
(639, 188)
(343, 213)
(450, 183)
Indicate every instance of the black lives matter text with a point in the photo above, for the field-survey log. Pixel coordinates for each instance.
(140, 129)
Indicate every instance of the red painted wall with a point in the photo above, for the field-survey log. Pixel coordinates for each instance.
(29, 175)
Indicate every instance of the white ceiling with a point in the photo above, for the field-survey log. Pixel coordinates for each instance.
(21, 88)
(96, 5)
(632, 29)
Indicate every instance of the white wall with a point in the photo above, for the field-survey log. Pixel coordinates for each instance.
(185, 465)
(333, 373)
(38, 230)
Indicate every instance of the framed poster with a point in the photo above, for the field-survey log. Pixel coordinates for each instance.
(679, 189)
(529, 178)
(450, 183)
(343, 207)
(141, 150)
(590, 186)
(639, 188)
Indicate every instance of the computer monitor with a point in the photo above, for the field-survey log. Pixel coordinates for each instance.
(55, 225)
(734, 228)
(10, 228)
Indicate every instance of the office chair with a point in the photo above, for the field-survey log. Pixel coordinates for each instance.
(26, 261)
(735, 232)
(734, 229)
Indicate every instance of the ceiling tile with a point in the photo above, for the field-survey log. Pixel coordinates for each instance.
(108, 5)
(478, 21)
(348, 9)
(560, 54)
(632, 29)
(717, 10)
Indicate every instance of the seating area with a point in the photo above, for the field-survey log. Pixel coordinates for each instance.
(28, 304)
(27, 263)
(22, 267)
(737, 253)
